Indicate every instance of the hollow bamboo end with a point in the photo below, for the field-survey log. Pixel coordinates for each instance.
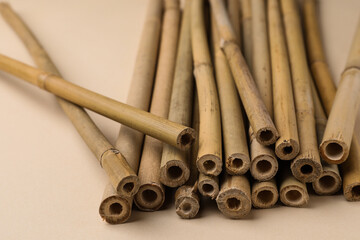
(186, 138)
(328, 183)
(187, 203)
(267, 136)
(209, 164)
(128, 186)
(334, 151)
(287, 149)
(305, 169)
(237, 164)
(264, 195)
(174, 173)
(234, 203)
(115, 209)
(209, 188)
(294, 196)
(352, 192)
(264, 167)
(150, 197)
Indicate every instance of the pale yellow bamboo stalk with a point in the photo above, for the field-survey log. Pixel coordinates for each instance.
(287, 146)
(234, 199)
(306, 166)
(121, 176)
(264, 194)
(208, 185)
(335, 144)
(210, 149)
(151, 194)
(246, 26)
(234, 11)
(174, 167)
(255, 108)
(237, 160)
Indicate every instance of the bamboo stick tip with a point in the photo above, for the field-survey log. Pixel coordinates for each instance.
(334, 151)
(287, 149)
(186, 138)
(352, 192)
(128, 186)
(209, 188)
(264, 167)
(327, 184)
(294, 196)
(305, 169)
(115, 209)
(187, 204)
(234, 203)
(209, 164)
(150, 197)
(237, 163)
(264, 197)
(267, 136)
(174, 173)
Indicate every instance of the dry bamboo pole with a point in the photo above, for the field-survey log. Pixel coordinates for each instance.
(237, 160)
(234, 199)
(151, 194)
(287, 146)
(234, 11)
(335, 144)
(255, 108)
(208, 185)
(293, 193)
(246, 26)
(121, 176)
(210, 149)
(306, 166)
(264, 194)
(264, 164)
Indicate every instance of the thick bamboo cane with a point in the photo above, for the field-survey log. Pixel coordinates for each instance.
(255, 108)
(208, 185)
(306, 166)
(234, 199)
(234, 11)
(210, 149)
(246, 26)
(335, 144)
(121, 176)
(151, 194)
(237, 160)
(287, 146)
(264, 194)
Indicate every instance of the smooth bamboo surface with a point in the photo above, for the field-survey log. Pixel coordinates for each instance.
(234, 11)
(174, 167)
(264, 194)
(246, 26)
(210, 148)
(151, 193)
(255, 108)
(208, 185)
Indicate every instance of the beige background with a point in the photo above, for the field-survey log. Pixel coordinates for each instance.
(51, 184)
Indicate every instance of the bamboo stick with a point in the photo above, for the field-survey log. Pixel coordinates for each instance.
(237, 160)
(151, 194)
(208, 185)
(335, 144)
(174, 167)
(234, 11)
(264, 194)
(287, 146)
(246, 26)
(306, 166)
(234, 199)
(121, 176)
(255, 108)
(210, 149)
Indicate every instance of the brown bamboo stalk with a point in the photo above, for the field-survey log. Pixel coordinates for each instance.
(237, 160)
(121, 176)
(151, 194)
(174, 167)
(264, 194)
(210, 149)
(255, 108)
(246, 26)
(335, 144)
(287, 146)
(306, 166)
(208, 185)
(234, 199)
(234, 11)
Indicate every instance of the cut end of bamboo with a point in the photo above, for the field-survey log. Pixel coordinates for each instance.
(128, 186)
(294, 196)
(234, 203)
(115, 209)
(150, 197)
(267, 136)
(305, 169)
(209, 164)
(287, 150)
(352, 192)
(237, 164)
(264, 167)
(209, 188)
(186, 138)
(187, 203)
(264, 194)
(334, 152)
(327, 184)
(174, 173)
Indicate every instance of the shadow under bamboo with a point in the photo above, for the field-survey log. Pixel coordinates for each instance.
(264, 194)
(255, 108)
(210, 149)
(174, 167)
(151, 194)
(234, 11)
(306, 166)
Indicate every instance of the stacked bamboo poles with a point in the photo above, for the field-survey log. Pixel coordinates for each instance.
(264, 194)
(234, 11)
(208, 185)
(210, 149)
(335, 144)
(306, 166)
(151, 194)
(257, 114)
(246, 26)
(174, 167)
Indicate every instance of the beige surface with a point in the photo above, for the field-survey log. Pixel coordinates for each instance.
(51, 184)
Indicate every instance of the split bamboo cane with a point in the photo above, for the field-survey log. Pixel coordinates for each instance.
(246, 26)
(208, 185)
(151, 194)
(210, 149)
(234, 11)
(255, 108)
(121, 176)
(264, 194)
(306, 166)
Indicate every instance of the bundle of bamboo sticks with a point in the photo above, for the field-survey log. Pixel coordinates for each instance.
(235, 102)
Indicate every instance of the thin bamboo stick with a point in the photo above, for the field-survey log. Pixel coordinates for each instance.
(287, 146)
(264, 194)
(237, 160)
(306, 166)
(121, 176)
(335, 144)
(208, 185)
(210, 149)
(246, 26)
(234, 199)
(255, 108)
(174, 167)
(151, 194)
(234, 11)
